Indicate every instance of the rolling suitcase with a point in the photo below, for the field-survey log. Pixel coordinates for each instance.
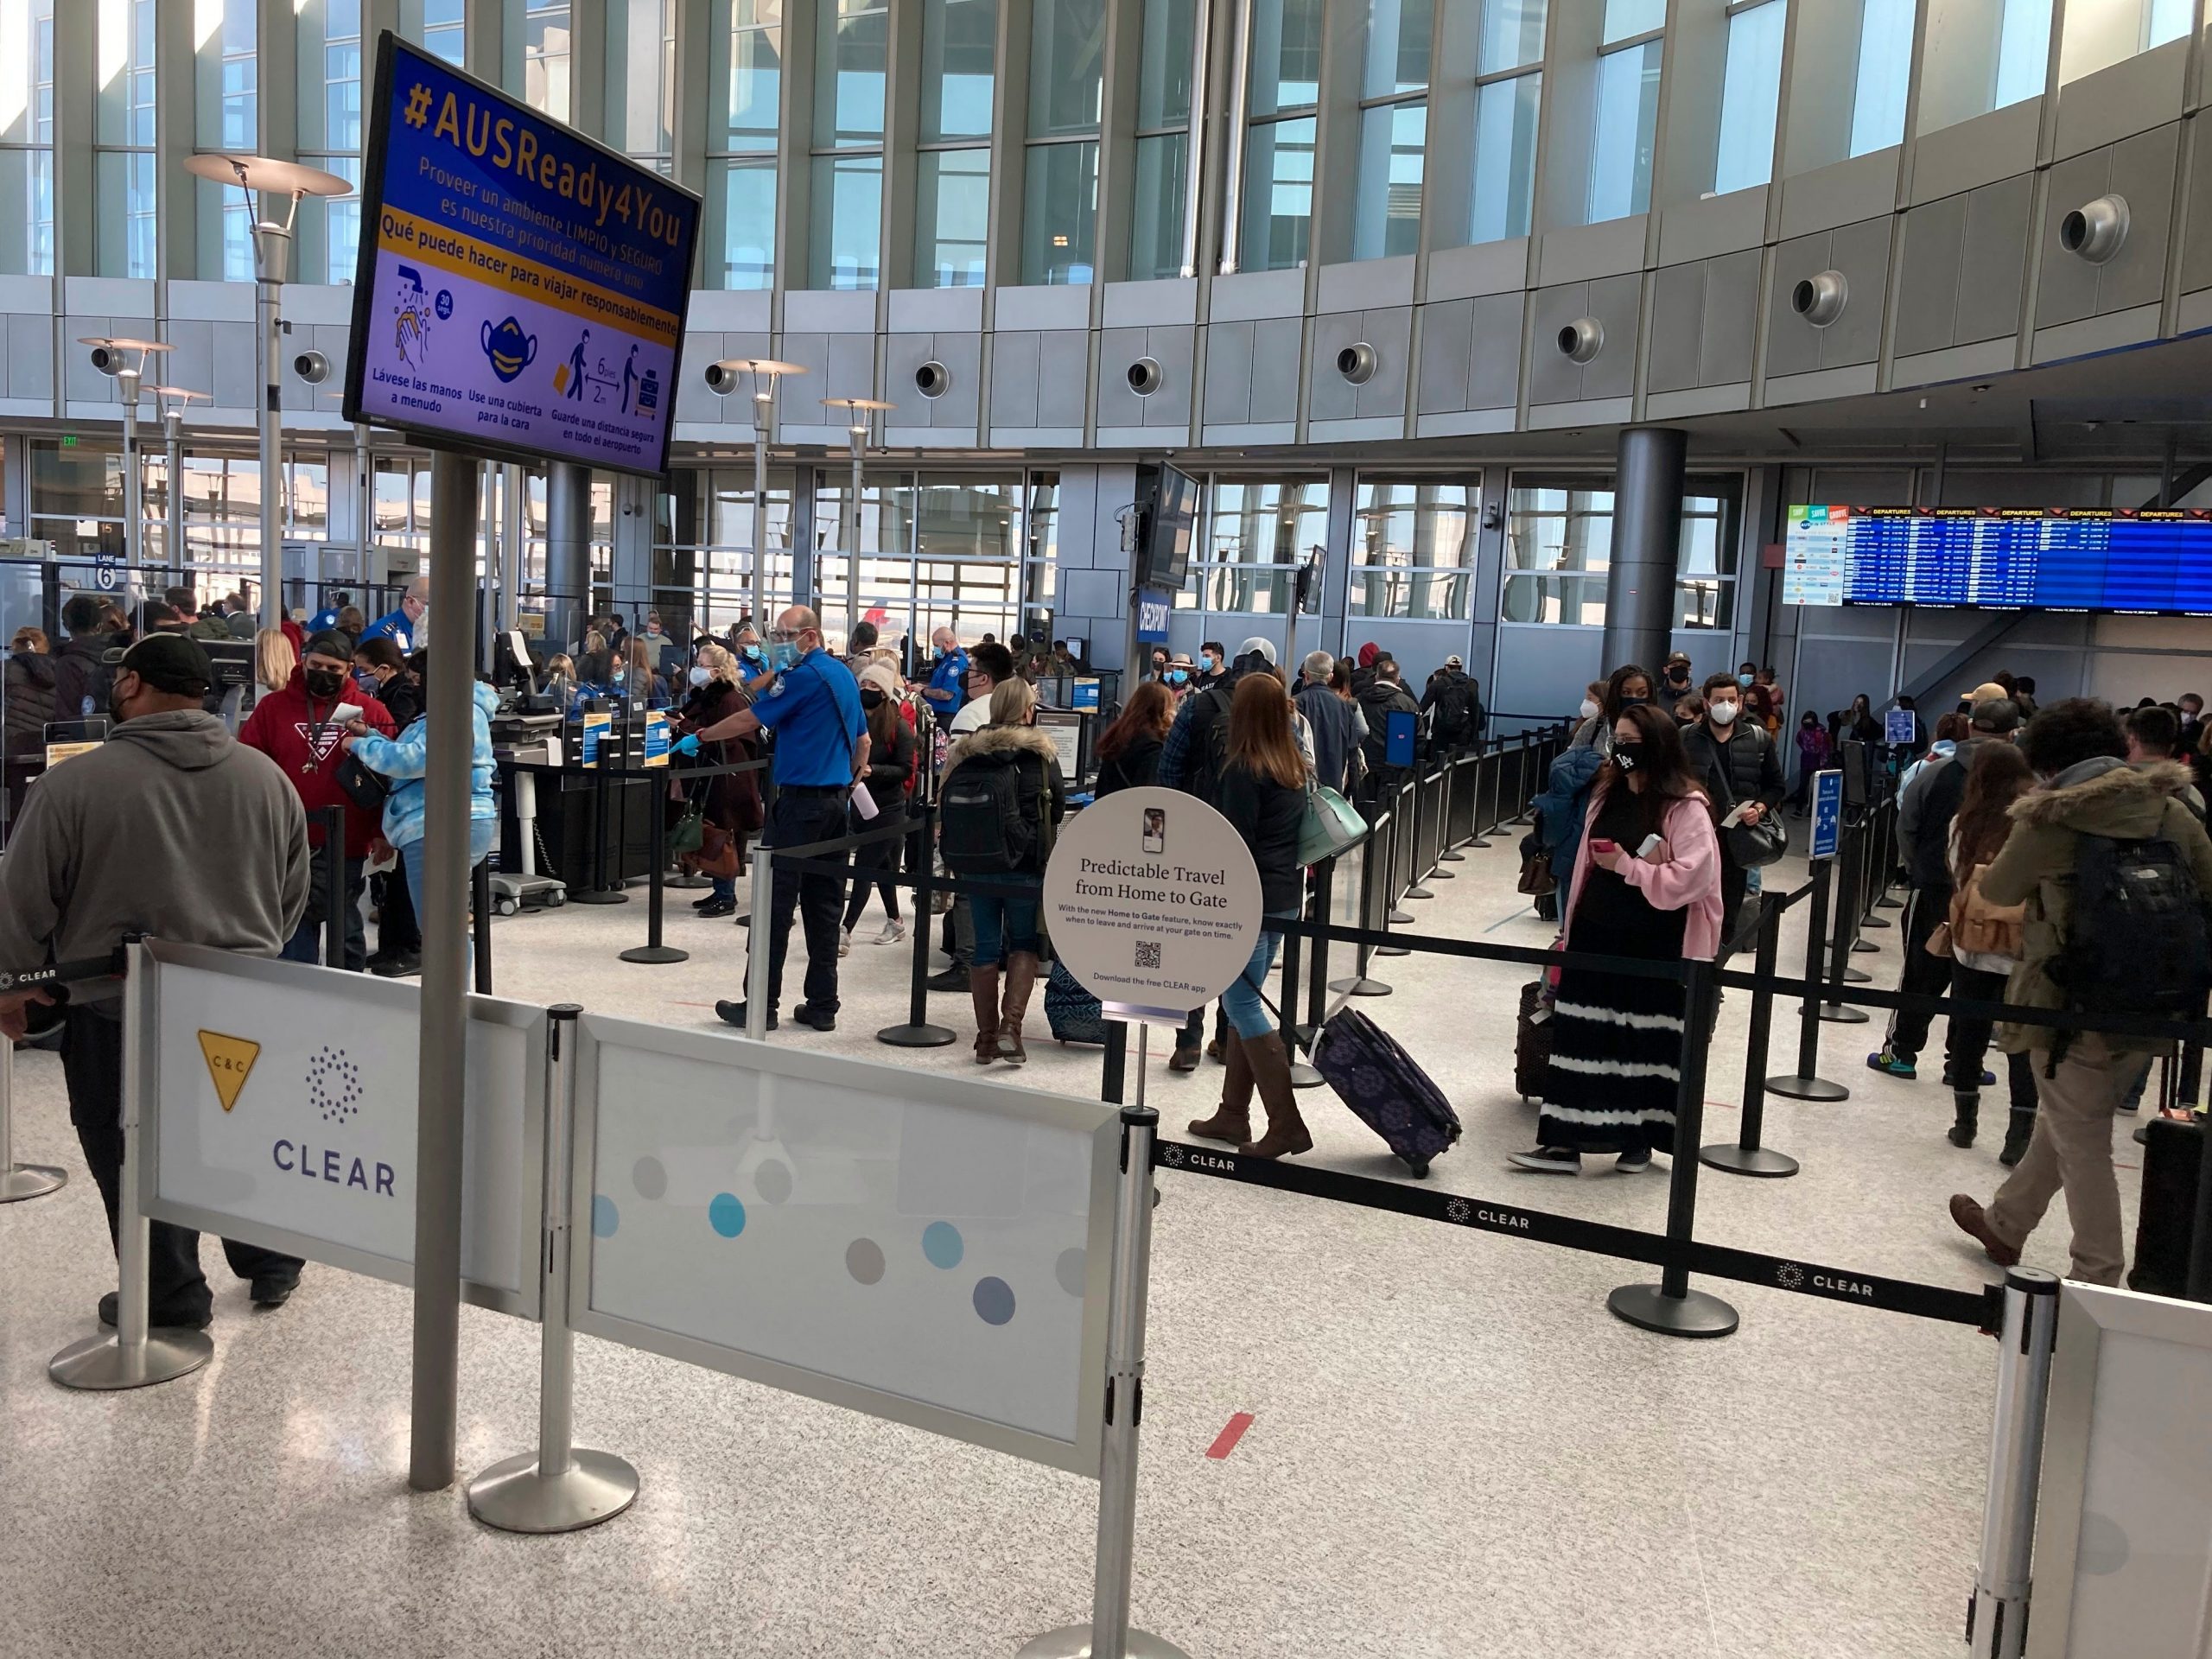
(1390, 1093)
(1532, 1042)
(2173, 1153)
(1072, 1012)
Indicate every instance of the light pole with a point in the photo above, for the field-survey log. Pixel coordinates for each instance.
(173, 401)
(859, 412)
(721, 379)
(126, 360)
(272, 253)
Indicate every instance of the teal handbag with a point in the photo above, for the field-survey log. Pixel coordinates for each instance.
(1332, 825)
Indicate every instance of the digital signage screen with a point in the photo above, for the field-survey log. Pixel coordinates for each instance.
(2156, 562)
(520, 290)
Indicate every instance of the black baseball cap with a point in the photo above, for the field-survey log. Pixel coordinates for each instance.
(168, 662)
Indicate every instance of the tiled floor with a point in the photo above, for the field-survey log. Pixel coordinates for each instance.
(1455, 1450)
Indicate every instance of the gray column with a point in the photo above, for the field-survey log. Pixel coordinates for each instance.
(1647, 540)
(568, 553)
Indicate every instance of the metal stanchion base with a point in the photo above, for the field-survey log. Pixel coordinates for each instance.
(1442, 875)
(656, 953)
(1362, 987)
(687, 883)
(1479, 844)
(1393, 950)
(916, 1036)
(1864, 947)
(1841, 1013)
(30, 1181)
(514, 1497)
(1887, 903)
(1303, 1076)
(1696, 1314)
(1451, 857)
(598, 896)
(102, 1363)
(1074, 1643)
(1857, 977)
(1819, 1090)
(1416, 893)
(1875, 921)
(1747, 1160)
(1401, 917)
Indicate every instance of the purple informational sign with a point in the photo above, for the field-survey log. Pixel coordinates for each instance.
(520, 290)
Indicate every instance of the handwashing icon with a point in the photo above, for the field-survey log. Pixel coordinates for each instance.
(510, 349)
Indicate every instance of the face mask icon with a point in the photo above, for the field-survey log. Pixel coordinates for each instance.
(510, 349)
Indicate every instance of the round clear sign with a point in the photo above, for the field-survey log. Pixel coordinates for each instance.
(1152, 901)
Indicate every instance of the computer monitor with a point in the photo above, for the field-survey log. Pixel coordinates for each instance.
(232, 661)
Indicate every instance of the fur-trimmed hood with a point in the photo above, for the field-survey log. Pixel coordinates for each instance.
(1003, 740)
(2104, 797)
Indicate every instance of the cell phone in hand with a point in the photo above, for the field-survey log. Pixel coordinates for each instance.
(1599, 844)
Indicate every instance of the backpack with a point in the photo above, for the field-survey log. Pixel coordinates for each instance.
(982, 827)
(2137, 942)
(1209, 759)
(1453, 711)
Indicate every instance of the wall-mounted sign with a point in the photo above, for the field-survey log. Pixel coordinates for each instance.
(520, 290)
(1153, 608)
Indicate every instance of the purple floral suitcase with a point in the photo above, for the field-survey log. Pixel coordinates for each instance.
(1391, 1095)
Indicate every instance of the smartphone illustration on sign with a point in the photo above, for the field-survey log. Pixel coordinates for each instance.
(1155, 828)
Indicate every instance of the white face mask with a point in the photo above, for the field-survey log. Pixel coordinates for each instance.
(1589, 709)
(700, 676)
(1721, 714)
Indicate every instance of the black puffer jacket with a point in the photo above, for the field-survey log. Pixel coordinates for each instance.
(31, 702)
(1745, 768)
(1378, 701)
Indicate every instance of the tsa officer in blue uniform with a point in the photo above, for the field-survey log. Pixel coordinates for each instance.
(812, 704)
(948, 687)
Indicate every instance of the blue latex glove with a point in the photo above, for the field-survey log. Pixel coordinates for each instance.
(687, 744)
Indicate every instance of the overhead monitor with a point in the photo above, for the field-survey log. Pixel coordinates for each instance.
(1167, 501)
(521, 291)
(2154, 561)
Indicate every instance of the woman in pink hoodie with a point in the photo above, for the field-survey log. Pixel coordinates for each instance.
(1647, 884)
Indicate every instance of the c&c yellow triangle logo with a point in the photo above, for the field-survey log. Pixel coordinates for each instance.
(230, 1062)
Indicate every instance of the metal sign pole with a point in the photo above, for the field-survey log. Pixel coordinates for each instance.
(1997, 1616)
(448, 696)
(1109, 1636)
(18, 1181)
(756, 945)
(557, 1488)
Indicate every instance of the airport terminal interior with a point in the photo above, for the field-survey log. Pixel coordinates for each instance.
(1571, 385)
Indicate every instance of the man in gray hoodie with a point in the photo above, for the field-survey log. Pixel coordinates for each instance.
(173, 829)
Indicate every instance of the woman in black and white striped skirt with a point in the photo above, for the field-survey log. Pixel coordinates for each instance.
(1647, 884)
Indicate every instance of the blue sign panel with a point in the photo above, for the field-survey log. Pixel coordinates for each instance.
(1827, 814)
(1398, 737)
(1153, 608)
(520, 290)
(1083, 694)
(1900, 726)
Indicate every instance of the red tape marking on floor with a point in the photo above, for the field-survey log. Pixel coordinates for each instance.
(1225, 1442)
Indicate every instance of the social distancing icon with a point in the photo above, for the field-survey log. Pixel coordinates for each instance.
(230, 1062)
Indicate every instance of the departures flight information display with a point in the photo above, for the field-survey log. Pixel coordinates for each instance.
(2156, 562)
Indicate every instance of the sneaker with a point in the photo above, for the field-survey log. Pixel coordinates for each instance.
(1894, 1064)
(894, 933)
(732, 1013)
(820, 1018)
(1989, 1079)
(844, 944)
(156, 1319)
(700, 904)
(1634, 1163)
(1550, 1160)
(714, 909)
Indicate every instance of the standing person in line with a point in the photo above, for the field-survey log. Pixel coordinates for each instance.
(29, 696)
(1647, 884)
(2154, 735)
(1814, 753)
(947, 687)
(1335, 723)
(1986, 947)
(2078, 748)
(399, 936)
(173, 829)
(81, 676)
(813, 706)
(731, 801)
(890, 767)
(1213, 663)
(275, 660)
(1674, 680)
(1128, 750)
(1560, 811)
(1023, 768)
(1383, 697)
(1355, 758)
(1924, 815)
(1454, 704)
(1739, 771)
(990, 666)
(402, 625)
(1262, 794)
(298, 727)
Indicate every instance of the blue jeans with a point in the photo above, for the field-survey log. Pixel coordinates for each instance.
(725, 887)
(482, 832)
(1005, 922)
(306, 944)
(1240, 1002)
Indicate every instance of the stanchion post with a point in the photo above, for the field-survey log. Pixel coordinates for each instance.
(480, 909)
(1862, 877)
(1997, 1616)
(19, 1181)
(1486, 764)
(652, 951)
(332, 819)
(1806, 1082)
(560, 1487)
(1302, 1076)
(1458, 791)
(1388, 910)
(1317, 976)
(1108, 1635)
(1418, 790)
(1671, 1307)
(134, 1356)
(757, 946)
(917, 1032)
(1839, 970)
(1875, 881)
(1359, 984)
(1745, 1155)
(597, 892)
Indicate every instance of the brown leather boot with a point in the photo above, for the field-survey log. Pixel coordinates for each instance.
(1270, 1064)
(1020, 979)
(1232, 1119)
(983, 986)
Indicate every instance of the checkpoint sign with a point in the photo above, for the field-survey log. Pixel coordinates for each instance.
(521, 291)
(1152, 901)
(1827, 814)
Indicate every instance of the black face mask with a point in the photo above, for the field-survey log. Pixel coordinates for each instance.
(871, 701)
(323, 682)
(1632, 757)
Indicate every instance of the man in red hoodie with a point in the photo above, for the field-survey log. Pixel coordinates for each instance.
(301, 728)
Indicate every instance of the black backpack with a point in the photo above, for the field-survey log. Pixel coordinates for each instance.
(2137, 942)
(1453, 711)
(982, 827)
(1209, 754)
